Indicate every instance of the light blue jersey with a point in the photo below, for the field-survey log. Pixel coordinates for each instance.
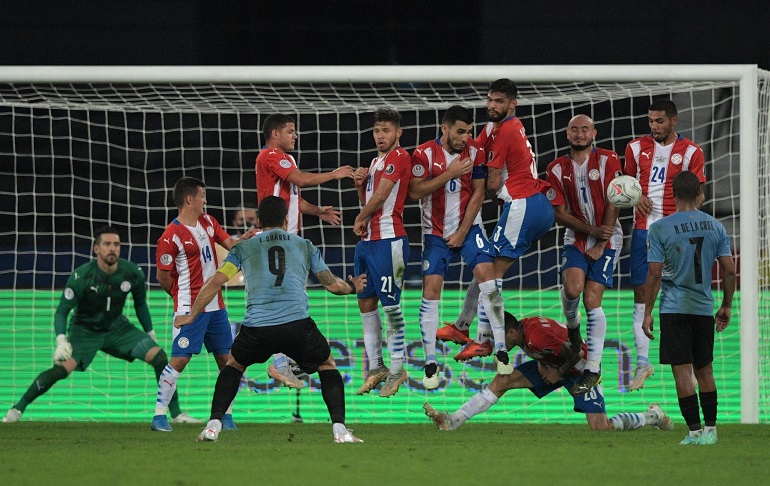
(687, 244)
(275, 266)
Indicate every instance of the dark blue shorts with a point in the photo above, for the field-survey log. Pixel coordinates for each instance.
(436, 255)
(590, 402)
(211, 329)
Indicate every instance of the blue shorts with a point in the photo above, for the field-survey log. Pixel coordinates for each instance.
(522, 222)
(638, 257)
(591, 401)
(436, 255)
(599, 271)
(209, 328)
(384, 263)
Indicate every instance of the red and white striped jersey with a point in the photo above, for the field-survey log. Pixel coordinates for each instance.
(544, 339)
(508, 149)
(189, 253)
(582, 188)
(388, 221)
(655, 166)
(444, 209)
(273, 167)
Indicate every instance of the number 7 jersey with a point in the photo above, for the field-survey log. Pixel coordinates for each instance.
(189, 254)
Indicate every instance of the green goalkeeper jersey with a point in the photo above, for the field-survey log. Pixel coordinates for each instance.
(98, 297)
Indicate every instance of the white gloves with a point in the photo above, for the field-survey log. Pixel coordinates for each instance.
(151, 333)
(63, 350)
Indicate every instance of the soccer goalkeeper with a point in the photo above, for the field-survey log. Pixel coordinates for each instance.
(97, 291)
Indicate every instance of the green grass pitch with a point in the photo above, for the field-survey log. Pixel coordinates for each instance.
(81, 453)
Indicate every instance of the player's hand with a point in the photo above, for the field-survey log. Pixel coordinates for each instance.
(248, 234)
(343, 172)
(456, 239)
(603, 232)
(359, 228)
(151, 333)
(594, 253)
(722, 319)
(360, 176)
(359, 282)
(330, 215)
(460, 167)
(183, 320)
(63, 350)
(647, 326)
(643, 207)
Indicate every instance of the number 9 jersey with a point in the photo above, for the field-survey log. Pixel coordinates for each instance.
(189, 254)
(275, 266)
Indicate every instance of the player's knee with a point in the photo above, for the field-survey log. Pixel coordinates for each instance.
(142, 348)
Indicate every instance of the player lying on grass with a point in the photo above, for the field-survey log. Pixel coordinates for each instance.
(97, 291)
(553, 365)
(276, 265)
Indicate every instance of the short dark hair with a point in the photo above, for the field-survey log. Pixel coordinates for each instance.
(186, 186)
(664, 104)
(686, 186)
(388, 115)
(456, 113)
(511, 322)
(505, 86)
(272, 212)
(104, 230)
(275, 122)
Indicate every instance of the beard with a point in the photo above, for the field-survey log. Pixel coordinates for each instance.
(580, 148)
(496, 118)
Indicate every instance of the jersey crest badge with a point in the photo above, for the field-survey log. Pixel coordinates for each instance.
(125, 286)
(166, 259)
(676, 159)
(210, 231)
(594, 174)
(284, 163)
(69, 294)
(418, 170)
(550, 194)
(391, 169)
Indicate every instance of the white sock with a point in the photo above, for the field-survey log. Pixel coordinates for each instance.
(492, 302)
(373, 338)
(641, 341)
(484, 328)
(710, 428)
(470, 307)
(428, 328)
(570, 309)
(478, 403)
(596, 330)
(395, 337)
(166, 388)
(629, 421)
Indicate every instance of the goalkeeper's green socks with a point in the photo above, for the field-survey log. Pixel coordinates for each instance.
(42, 383)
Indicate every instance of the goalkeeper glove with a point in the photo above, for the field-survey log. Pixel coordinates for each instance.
(151, 333)
(63, 350)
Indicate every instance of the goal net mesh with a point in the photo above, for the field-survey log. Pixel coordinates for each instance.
(78, 156)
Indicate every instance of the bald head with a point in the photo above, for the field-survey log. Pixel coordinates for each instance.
(581, 132)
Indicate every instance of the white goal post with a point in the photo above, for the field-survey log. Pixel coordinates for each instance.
(753, 126)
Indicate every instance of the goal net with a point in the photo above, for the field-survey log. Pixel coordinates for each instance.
(83, 147)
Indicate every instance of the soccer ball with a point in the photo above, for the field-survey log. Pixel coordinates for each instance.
(624, 192)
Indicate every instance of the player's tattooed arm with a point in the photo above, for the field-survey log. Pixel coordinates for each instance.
(326, 277)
